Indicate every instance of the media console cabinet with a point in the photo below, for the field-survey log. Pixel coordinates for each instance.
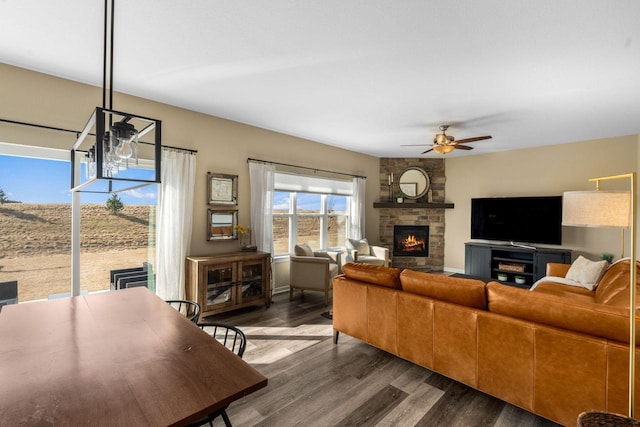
(228, 281)
(485, 260)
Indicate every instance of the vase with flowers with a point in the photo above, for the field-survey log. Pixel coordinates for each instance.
(244, 235)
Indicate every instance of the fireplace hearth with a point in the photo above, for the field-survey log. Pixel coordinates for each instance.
(411, 240)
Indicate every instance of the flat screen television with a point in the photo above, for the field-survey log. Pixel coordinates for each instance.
(517, 219)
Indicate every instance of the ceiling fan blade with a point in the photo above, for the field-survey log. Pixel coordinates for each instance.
(463, 147)
(477, 138)
(425, 152)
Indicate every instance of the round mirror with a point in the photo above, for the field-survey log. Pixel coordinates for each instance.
(414, 183)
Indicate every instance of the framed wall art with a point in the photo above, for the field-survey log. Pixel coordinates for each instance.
(222, 189)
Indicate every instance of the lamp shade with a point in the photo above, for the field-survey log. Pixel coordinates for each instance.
(596, 208)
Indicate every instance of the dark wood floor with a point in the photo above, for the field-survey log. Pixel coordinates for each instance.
(313, 382)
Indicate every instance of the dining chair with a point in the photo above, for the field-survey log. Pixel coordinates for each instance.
(190, 309)
(230, 336)
(234, 340)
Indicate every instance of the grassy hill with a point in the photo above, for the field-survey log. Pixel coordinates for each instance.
(44, 229)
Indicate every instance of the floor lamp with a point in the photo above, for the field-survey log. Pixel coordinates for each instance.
(610, 209)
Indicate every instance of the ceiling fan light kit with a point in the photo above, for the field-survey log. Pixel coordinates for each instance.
(443, 149)
(443, 143)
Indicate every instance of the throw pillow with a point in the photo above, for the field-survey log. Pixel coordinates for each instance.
(303, 250)
(587, 272)
(362, 246)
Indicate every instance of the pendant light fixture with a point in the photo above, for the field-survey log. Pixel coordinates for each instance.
(109, 155)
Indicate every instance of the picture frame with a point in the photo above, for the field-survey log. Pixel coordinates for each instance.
(221, 224)
(414, 183)
(222, 189)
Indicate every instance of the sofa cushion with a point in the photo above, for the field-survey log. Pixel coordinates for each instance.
(575, 314)
(613, 288)
(586, 272)
(383, 276)
(463, 291)
(362, 246)
(303, 250)
(370, 259)
(554, 285)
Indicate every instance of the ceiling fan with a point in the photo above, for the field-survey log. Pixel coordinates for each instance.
(443, 143)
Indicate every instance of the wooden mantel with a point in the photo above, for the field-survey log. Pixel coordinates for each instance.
(411, 205)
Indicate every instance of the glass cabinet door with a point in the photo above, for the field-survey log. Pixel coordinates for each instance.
(250, 281)
(220, 290)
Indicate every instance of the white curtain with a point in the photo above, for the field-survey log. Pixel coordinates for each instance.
(356, 228)
(262, 180)
(174, 220)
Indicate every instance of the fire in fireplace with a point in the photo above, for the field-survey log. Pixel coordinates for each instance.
(411, 240)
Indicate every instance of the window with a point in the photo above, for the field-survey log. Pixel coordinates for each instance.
(337, 220)
(309, 210)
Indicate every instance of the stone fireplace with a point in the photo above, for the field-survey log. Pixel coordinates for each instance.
(411, 240)
(414, 214)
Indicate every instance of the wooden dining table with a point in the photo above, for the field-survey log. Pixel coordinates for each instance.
(121, 358)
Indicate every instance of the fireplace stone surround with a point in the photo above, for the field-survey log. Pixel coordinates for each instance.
(405, 214)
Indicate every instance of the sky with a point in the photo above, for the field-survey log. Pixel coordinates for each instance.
(308, 201)
(30, 180)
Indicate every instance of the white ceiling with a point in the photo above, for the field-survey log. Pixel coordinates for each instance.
(366, 75)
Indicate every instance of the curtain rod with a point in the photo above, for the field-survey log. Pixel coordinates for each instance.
(77, 132)
(304, 167)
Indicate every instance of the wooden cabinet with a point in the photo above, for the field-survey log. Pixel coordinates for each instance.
(489, 261)
(224, 282)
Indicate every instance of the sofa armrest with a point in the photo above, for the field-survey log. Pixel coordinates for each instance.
(310, 259)
(380, 252)
(331, 256)
(557, 270)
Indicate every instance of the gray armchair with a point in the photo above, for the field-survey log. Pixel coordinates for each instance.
(312, 271)
(361, 251)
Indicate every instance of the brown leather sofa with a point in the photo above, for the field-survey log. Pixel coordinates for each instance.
(554, 351)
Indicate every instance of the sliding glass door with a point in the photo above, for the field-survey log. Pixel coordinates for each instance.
(35, 222)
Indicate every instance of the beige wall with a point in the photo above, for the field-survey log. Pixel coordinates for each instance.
(542, 171)
(223, 146)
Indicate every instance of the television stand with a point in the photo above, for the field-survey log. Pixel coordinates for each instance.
(505, 262)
